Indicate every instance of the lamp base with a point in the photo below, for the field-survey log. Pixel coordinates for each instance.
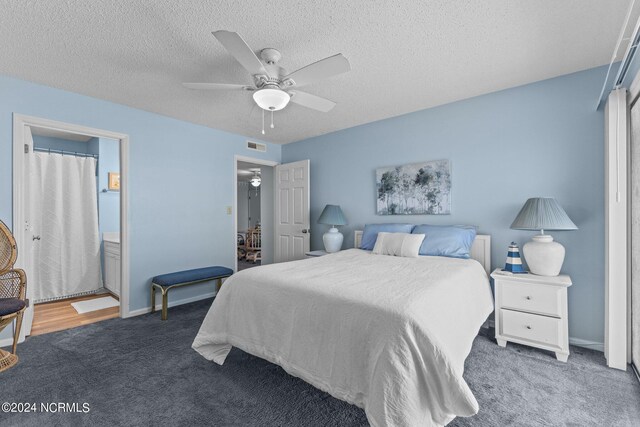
(544, 256)
(332, 240)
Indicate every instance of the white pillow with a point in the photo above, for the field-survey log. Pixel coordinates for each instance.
(398, 244)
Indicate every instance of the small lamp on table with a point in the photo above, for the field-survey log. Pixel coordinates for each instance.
(333, 216)
(544, 256)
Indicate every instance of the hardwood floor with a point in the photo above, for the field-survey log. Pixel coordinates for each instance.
(59, 315)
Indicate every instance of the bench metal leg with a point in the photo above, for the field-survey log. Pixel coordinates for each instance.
(165, 293)
(153, 299)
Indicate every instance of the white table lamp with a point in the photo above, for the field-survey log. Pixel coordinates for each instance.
(544, 256)
(332, 215)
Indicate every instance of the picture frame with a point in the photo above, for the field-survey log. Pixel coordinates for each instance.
(114, 181)
(414, 189)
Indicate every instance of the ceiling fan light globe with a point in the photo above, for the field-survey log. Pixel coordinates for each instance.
(271, 99)
(255, 181)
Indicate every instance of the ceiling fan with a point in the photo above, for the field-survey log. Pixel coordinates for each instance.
(273, 87)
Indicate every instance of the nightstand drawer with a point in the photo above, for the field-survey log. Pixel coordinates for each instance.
(531, 327)
(532, 298)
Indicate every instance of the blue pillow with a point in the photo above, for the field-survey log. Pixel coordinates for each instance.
(370, 233)
(446, 240)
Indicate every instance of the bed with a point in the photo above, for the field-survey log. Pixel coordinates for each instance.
(388, 334)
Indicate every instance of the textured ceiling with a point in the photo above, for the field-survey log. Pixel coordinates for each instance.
(405, 55)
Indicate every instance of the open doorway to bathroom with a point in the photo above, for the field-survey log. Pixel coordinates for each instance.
(67, 197)
(254, 212)
(75, 219)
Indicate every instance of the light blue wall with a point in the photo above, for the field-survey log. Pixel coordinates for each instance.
(634, 67)
(60, 144)
(542, 139)
(181, 180)
(109, 201)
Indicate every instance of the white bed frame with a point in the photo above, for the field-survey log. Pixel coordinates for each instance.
(480, 250)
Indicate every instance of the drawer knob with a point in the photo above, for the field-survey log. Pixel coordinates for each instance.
(528, 297)
(528, 327)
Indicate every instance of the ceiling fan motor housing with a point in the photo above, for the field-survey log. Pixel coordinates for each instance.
(270, 55)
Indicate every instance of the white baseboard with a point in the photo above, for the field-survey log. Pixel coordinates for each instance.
(174, 303)
(6, 342)
(598, 346)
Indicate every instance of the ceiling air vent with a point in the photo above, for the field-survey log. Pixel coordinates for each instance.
(256, 146)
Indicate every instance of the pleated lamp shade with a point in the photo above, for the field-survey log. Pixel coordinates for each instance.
(542, 213)
(332, 215)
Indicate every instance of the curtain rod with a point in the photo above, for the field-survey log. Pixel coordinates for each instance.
(71, 153)
(628, 57)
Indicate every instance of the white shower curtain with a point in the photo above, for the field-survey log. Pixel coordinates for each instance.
(63, 209)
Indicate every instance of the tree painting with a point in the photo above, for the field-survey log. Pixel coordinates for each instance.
(415, 189)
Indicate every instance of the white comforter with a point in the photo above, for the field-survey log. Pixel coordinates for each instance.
(387, 334)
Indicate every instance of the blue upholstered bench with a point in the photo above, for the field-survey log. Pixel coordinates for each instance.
(164, 282)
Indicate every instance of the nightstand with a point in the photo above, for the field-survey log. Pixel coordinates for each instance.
(532, 310)
(313, 254)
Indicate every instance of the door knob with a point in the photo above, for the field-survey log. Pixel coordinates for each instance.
(305, 230)
(36, 237)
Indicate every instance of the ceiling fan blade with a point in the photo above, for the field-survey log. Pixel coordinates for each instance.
(311, 101)
(331, 66)
(215, 86)
(240, 50)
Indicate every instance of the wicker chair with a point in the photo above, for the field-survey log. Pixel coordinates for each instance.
(253, 244)
(13, 288)
(242, 252)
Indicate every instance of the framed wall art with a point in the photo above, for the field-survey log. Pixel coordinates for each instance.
(114, 181)
(414, 189)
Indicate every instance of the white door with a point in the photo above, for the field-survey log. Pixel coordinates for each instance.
(27, 234)
(292, 228)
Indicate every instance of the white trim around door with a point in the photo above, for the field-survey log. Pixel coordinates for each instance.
(292, 210)
(616, 337)
(20, 123)
(234, 211)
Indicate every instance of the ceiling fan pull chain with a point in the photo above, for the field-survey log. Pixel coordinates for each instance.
(272, 119)
(262, 121)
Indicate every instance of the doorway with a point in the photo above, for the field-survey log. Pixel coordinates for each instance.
(254, 212)
(69, 220)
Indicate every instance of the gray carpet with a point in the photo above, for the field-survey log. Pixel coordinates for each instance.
(243, 264)
(142, 371)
